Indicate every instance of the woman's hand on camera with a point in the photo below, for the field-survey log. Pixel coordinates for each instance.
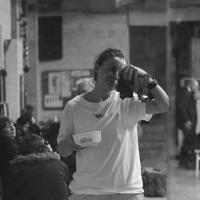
(140, 72)
(134, 76)
(131, 73)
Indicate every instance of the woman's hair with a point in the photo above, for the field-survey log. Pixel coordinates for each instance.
(108, 53)
(4, 121)
(33, 143)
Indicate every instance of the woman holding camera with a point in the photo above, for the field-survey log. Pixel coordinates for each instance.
(111, 169)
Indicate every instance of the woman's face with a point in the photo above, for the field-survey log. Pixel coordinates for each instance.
(9, 130)
(108, 72)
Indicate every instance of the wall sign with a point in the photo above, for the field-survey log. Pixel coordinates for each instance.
(58, 87)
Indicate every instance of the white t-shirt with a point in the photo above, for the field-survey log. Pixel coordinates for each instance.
(114, 165)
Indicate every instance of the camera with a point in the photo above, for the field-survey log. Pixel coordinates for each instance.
(130, 81)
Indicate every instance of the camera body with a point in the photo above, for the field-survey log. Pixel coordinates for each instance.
(131, 81)
(124, 88)
(126, 83)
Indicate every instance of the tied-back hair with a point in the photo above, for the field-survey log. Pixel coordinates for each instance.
(108, 53)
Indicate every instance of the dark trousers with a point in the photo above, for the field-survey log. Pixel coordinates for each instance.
(190, 143)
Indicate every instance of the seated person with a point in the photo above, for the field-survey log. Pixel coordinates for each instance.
(24, 127)
(50, 134)
(8, 148)
(37, 172)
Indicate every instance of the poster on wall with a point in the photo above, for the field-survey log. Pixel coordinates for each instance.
(58, 87)
(66, 91)
(54, 83)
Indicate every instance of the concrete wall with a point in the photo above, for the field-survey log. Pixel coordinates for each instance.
(5, 18)
(31, 78)
(11, 59)
(14, 70)
(5, 27)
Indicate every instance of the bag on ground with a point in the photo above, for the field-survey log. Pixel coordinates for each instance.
(154, 182)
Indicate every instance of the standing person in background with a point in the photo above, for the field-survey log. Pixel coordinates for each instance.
(186, 119)
(111, 170)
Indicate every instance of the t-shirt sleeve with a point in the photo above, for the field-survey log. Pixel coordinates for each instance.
(66, 125)
(134, 110)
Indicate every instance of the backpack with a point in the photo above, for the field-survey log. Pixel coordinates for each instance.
(154, 182)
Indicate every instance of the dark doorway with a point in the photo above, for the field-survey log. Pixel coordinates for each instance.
(50, 38)
(182, 35)
(148, 50)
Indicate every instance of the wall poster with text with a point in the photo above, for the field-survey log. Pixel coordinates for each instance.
(58, 87)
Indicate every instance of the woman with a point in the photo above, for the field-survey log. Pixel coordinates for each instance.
(110, 170)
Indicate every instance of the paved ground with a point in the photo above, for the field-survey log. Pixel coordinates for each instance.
(182, 184)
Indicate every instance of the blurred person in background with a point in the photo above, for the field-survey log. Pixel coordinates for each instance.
(186, 120)
(28, 112)
(26, 123)
(111, 170)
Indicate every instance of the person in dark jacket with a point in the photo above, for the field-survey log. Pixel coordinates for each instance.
(38, 173)
(50, 134)
(186, 118)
